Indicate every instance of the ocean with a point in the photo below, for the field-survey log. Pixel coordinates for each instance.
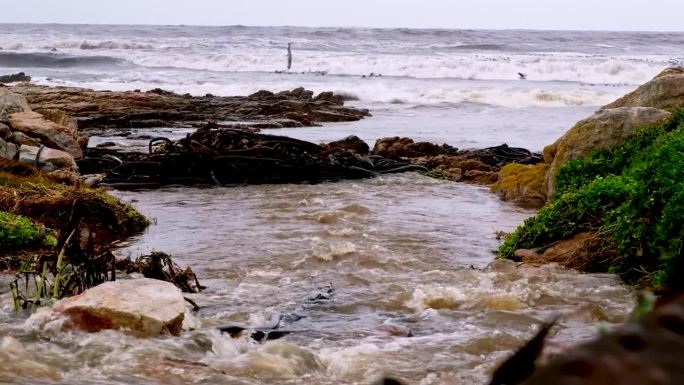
(401, 252)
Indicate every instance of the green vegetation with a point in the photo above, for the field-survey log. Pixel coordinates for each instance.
(17, 231)
(632, 197)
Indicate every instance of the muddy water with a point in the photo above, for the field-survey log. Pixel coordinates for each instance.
(401, 252)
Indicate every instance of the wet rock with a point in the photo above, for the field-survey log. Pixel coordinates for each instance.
(47, 158)
(7, 150)
(146, 307)
(11, 103)
(352, 143)
(475, 166)
(23, 139)
(106, 109)
(396, 147)
(665, 91)
(50, 133)
(573, 253)
(18, 77)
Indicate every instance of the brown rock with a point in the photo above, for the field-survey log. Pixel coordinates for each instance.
(21, 138)
(47, 158)
(61, 118)
(396, 147)
(49, 133)
(572, 253)
(480, 177)
(665, 91)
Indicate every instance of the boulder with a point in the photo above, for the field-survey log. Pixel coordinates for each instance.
(665, 91)
(50, 133)
(23, 139)
(11, 103)
(522, 184)
(573, 253)
(47, 158)
(352, 143)
(7, 150)
(606, 128)
(146, 307)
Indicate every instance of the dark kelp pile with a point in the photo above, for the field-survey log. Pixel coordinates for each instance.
(230, 156)
(630, 198)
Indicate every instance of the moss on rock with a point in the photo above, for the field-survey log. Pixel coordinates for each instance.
(522, 183)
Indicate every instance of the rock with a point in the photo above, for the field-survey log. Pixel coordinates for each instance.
(480, 177)
(352, 143)
(7, 150)
(18, 77)
(50, 133)
(146, 307)
(396, 147)
(49, 159)
(522, 184)
(21, 138)
(606, 128)
(90, 180)
(4, 131)
(11, 103)
(64, 176)
(61, 118)
(126, 110)
(665, 91)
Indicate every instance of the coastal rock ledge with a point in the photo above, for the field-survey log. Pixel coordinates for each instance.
(146, 307)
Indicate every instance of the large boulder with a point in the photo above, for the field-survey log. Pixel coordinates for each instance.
(47, 158)
(396, 147)
(606, 128)
(11, 103)
(665, 91)
(50, 133)
(61, 118)
(146, 307)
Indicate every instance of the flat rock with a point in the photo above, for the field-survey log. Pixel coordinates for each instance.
(146, 307)
(107, 109)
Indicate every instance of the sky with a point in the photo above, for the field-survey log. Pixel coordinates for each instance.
(622, 15)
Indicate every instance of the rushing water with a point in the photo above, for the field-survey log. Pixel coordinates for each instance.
(402, 252)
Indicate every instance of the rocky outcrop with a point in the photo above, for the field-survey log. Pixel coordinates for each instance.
(608, 127)
(11, 103)
(107, 109)
(605, 129)
(665, 91)
(49, 133)
(475, 166)
(573, 253)
(146, 307)
(13, 78)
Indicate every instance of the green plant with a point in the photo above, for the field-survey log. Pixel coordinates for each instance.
(632, 195)
(16, 231)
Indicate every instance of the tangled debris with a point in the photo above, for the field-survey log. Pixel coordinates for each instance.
(231, 156)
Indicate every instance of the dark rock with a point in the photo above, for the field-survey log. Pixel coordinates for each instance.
(18, 77)
(352, 143)
(4, 131)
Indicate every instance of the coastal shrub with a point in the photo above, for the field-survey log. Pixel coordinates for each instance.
(16, 231)
(632, 196)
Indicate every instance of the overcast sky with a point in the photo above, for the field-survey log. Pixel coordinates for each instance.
(647, 15)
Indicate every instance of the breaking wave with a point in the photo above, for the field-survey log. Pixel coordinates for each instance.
(50, 60)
